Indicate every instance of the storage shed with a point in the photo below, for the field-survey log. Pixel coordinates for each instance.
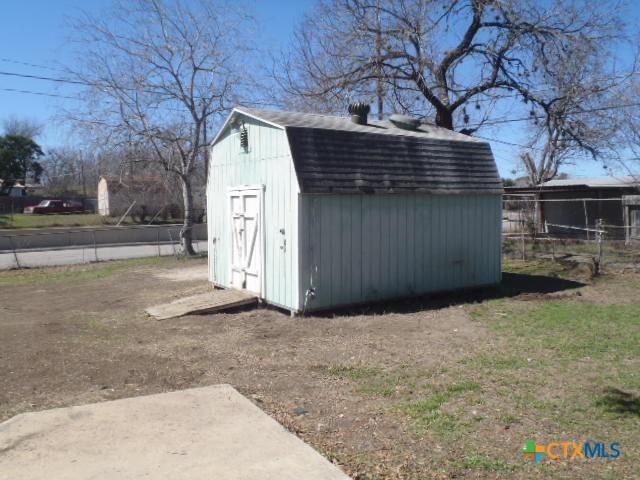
(314, 212)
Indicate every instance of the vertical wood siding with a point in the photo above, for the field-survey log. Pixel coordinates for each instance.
(267, 162)
(361, 248)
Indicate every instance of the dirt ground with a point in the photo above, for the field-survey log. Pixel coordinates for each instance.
(395, 391)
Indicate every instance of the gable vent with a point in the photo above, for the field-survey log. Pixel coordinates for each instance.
(244, 138)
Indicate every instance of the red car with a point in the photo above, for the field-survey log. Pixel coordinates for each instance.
(55, 206)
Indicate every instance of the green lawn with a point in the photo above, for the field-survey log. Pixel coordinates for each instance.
(55, 220)
(64, 220)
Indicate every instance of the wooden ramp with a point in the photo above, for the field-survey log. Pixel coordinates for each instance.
(213, 301)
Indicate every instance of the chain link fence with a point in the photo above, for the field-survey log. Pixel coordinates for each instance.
(61, 246)
(600, 232)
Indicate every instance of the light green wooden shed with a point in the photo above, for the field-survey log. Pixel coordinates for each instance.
(314, 212)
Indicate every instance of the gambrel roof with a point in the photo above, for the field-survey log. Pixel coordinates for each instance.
(334, 155)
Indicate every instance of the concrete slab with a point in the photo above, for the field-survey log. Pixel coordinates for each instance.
(213, 301)
(202, 433)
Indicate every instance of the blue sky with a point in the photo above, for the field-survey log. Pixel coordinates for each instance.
(35, 32)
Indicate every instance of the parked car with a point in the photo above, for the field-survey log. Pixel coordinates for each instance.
(55, 206)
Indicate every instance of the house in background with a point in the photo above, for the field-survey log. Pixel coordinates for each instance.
(148, 195)
(19, 189)
(313, 212)
(580, 202)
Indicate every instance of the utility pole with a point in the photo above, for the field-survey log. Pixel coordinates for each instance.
(206, 151)
(84, 183)
(379, 84)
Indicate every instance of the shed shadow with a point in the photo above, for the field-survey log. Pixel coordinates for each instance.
(530, 287)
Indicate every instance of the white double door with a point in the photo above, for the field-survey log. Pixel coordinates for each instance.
(246, 238)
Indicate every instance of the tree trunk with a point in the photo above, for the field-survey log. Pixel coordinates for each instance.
(186, 234)
(444, 119)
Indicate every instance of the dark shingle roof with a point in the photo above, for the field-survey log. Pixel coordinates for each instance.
(333, 154)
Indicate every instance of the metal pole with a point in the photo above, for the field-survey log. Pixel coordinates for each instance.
(125, 213)
(158, 240)
(156, 215)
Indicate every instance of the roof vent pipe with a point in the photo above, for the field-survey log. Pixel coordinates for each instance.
(359, 112)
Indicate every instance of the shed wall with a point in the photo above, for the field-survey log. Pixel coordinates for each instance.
(267, 162)
(362, 248)
(103, 197)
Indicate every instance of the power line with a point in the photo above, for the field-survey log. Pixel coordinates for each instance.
(49, 79)
(27, 64)
(30, 92)
(87, 84)
(490, 122)
(75, 82)
(539, 117)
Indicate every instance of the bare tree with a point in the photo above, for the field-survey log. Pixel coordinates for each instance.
(629, 132)
(157, 73)
(69, 171)
(23, 127)
(447, 59)
(572, 117)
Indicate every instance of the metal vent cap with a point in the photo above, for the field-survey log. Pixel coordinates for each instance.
(406, 122)
(359, 112)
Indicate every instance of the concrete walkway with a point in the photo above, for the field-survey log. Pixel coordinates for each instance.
(72, 256)
(202, 433)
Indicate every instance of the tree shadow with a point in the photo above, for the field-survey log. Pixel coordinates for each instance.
(619, 402)
(512, 285)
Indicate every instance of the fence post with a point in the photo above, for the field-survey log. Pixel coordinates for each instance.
(158, 240)
(599, 236)
(524, 256)
(15, 254)
(171, 241)
(95, 247)
(586, 218)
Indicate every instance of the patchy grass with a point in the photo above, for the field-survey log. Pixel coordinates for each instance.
(374, 381)
(483, 462)
(542, 267)
(427, 413)
(437, 392)
(354, 373)
(564, 367)
(78, 274)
